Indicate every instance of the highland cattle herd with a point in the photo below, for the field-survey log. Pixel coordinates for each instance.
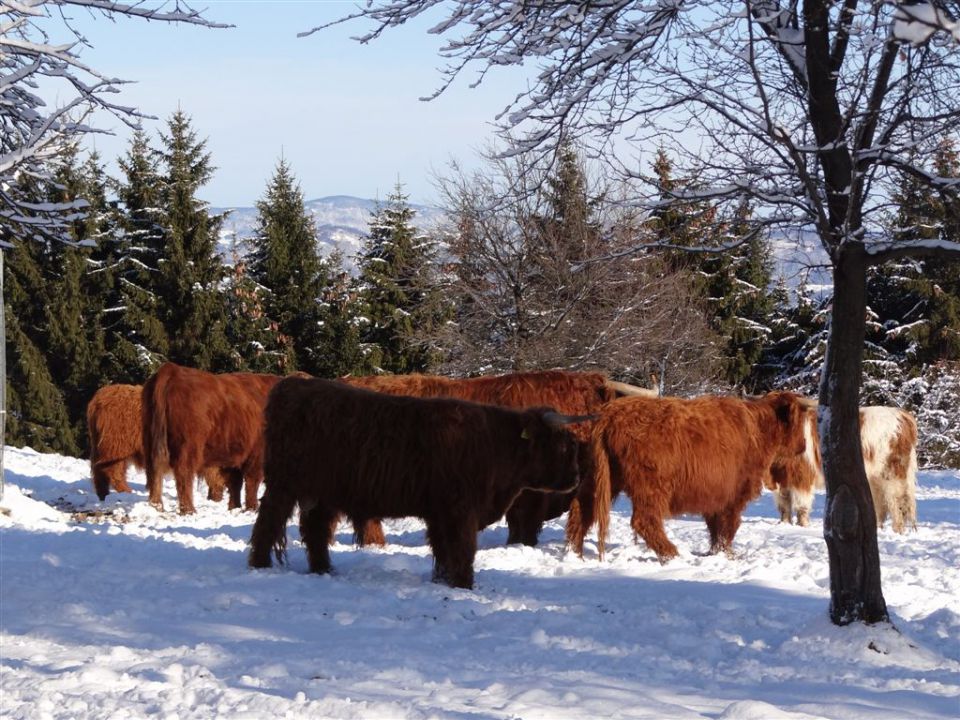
(462, 453)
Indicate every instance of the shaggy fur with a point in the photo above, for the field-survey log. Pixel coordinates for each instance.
(707, 455)
(116, 442)
(793, 480)
(570, 393)
(113, 424)
(332, 448)
(194, 419)
(888, 439)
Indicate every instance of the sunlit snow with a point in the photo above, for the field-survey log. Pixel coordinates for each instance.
(115, 610)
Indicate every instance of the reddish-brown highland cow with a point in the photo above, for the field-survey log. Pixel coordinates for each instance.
(116, 441)
(572, 393)
(194, 419)
(333, 449)
(888, 439)
(706, 455)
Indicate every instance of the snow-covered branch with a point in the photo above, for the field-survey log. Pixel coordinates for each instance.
(34, 131)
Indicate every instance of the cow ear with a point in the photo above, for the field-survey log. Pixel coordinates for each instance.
(788, 412)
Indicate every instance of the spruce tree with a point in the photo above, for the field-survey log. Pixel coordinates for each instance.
(285, 265)
(36, 412)
(398, 291)
(190, 271)
(74, 343)
(140, 342)
(734, 282)
(916, 303)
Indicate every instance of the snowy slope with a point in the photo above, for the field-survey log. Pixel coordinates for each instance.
(115, 610)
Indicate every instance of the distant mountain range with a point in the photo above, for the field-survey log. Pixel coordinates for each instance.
(342, 222)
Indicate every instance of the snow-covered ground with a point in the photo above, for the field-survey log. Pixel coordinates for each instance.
(115, 610)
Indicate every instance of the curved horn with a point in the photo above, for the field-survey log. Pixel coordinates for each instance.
(625, 389)
(556, 420)
(808, 402)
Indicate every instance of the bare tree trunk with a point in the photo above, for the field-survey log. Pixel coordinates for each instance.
(849, 523)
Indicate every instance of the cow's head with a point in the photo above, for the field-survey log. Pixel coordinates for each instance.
(552, 449)
(789, 437)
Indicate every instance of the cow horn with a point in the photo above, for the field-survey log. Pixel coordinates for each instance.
(556, 420)
(808, 402)
(634, 390)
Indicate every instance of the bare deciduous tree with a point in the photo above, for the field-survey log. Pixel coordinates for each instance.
(530, 294)
(810, 110)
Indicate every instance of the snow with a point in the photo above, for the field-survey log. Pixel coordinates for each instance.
(916, 21)
(115, 610)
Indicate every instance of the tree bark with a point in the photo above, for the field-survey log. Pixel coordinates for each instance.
(849, 523)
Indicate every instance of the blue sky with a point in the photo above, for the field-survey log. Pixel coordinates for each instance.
(346, 116)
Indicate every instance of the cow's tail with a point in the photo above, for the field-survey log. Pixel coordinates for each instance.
(156, 452)
(270, 529)
(101, 483)
(601, 488)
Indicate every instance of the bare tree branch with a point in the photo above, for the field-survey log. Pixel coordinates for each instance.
(32, 132)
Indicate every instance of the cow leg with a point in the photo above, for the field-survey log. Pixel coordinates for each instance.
(579, 519)
(234, 484)
(368, 532)
(896, 513)
(184, 480)
(155, 489)
(727, 526)
(315, 532)
(649, 526)
(525, 518)
(270, 529)
(251, 488)
(118, 476)
(713, 527)
(334, 524)
(216, 483)
(803, 502)
(908, 507)
(879, 501)
(784, 500)
(454, 545)
(581, 515)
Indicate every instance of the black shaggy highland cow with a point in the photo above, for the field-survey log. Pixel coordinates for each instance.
(457, 465)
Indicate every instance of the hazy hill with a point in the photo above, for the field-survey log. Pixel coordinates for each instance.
(342, 221)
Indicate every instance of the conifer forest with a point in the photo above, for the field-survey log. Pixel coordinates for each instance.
(513, 279)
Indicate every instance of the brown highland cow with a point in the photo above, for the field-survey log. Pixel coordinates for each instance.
(116, 441)
(194, 419)
(707, 455)
(332, 449)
